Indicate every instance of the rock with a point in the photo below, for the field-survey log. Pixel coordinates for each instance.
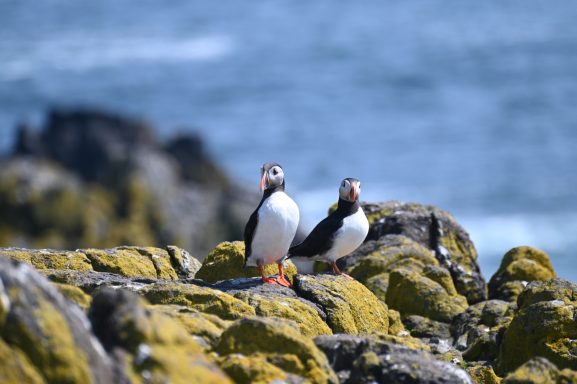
(436, 230)
(350, 307)
(277, 342)
(226, 261)
(254, 370)
(535, 371)
(483, 374)
(396, 325)
(372, 262)
(183, 262)
(362, 360)
(202, 299)
(205, 328)
(411, 293)
(544, 325)
(74, 294)
(15, 367)
(151, 346)
(478, 330)
(90, 281)
(45, 335)
(49, 259)
(424, 327)
(519, 266)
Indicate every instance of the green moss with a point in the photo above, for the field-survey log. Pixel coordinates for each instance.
(483, 374)
(74, 294)
(126, 262)
(226, 261)
(203, 325)
(15, 368)
(203, 299)
(411, 293)
(349, 305)
(281, 343)
(307, 318)
(251, 369)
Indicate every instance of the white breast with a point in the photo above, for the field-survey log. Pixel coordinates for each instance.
(278, 219)
(348, 238)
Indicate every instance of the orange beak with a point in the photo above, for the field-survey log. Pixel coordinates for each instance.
(354, 193)
(262, 181)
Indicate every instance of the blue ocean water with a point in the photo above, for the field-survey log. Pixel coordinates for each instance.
(470, 106)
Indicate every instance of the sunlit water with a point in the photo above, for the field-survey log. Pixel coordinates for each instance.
(470, 106)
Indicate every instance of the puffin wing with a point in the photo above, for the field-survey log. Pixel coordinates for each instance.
(249, 231)
(320, 240)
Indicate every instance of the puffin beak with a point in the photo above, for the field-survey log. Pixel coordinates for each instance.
(354, 192)
(262, 181)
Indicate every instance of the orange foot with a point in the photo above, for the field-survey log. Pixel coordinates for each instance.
(345, 275)
(338, 271)
(269, 280)
(281, 280)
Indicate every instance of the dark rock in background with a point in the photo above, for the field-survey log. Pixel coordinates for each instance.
(88, 178)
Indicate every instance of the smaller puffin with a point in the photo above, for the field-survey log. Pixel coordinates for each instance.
(338, 234)
(272, 226)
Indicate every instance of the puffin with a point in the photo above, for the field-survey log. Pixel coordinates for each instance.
(272, 226)
(340, 233)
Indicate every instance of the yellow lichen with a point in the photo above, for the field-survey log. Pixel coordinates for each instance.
(250, 369)
(123, 262)
(15, 368)
(74, 294)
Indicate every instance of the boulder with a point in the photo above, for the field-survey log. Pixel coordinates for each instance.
(478, 330)
(74, 294)
(349, 306)
(149, 346)
(483, 374)
(436, 230)
(539, 370)
(544, 325)
(358, 359)
(519, 266)
(411, 293)
(275, 342)
(226, 261)
(44, 335)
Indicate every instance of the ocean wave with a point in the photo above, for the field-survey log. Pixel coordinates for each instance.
(88, 53)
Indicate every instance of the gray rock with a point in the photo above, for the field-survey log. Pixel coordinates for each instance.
(361, 360)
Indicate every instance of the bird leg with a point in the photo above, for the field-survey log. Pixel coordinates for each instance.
(338, 271)
(281, 279)
(266, 279)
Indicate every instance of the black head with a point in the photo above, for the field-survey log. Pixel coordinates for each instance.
(271, 176)
(350, 189)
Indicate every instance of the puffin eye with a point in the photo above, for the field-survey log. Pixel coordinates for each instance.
(274, 171)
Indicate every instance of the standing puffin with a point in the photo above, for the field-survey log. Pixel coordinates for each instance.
(338, 234)
(272, 226)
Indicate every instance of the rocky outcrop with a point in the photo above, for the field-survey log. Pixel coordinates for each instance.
(539, 370)
(88, 178)
(433, 229)
(358, 359)
(519, 266)
(545, 325)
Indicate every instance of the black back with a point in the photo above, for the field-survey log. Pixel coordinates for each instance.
(250, 227)
(322, 237)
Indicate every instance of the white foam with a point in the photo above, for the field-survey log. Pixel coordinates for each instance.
(81, 53)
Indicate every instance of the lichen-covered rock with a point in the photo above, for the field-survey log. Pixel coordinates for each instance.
(519, 266)
(203, 299)
(361, 360)
(423, 327)
(535, 371)
(278, 342)
(483, 374)
(413, 294)
(53, 336)
(226, 261)
(544, 325)
(155, 348)
(183, 262)
(205, 328)
(15, 367)
(254, 370)
(49, 258)
(350, 307)
(90, 281)
(74, 294)
(436, 230)
(395, 323)
(478, 329)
